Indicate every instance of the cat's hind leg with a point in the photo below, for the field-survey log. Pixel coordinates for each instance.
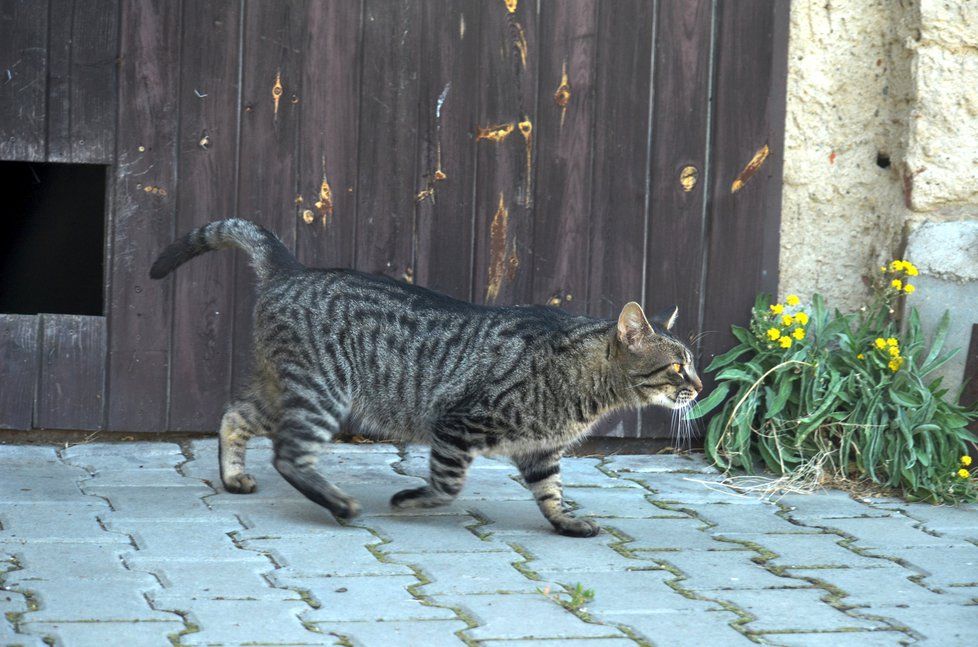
(451, 455)
(541, 472)
(242, 420)
(310, 415)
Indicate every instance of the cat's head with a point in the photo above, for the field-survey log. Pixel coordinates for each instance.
(657, 366)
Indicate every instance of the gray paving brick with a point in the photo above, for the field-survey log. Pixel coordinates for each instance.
(368, 634)
(438, 534)
(112, 457)
(54, 483)
(523, 616)
(889, 586)
(455, 573)
(211, 579)
(954, 566)
(17, 457)
(733, 520)
(52, 561)
(944, 624)
(685, 627)
(794, 610)
(552, 552)
(830, 504)
(885, 533)
(961, 521)
(9, 638)
(100, 634)
(141, 502)
(355, 598)
(509, 517)
(223, 622)
(617, 503)
(668, 535)
(584, 472)
(831, 639)
(329, 554)
(564, 642)
(659, 463)
(716, 571)
(626, 592)
(52, 522)
(691, 488)
(812, 550)
(119, 597)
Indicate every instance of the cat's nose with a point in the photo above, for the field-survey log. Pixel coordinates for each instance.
(697, 382)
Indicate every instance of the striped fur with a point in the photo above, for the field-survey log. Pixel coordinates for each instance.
(410, 364)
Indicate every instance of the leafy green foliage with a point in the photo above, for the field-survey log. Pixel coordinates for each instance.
(850, 389)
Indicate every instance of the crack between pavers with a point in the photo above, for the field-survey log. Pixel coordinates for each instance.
(189, 626)
(918, 524)
(16, 618)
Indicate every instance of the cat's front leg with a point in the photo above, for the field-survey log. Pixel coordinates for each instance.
(448, 465)
(541, 472)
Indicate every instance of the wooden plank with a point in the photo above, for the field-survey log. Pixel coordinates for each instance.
(201, 349)
(23, 76)
(328, 134)
(18, 370)
(82, 81)
(387, 138)
(72, 373)
(744, 212)
(142, 220)
(680, 118)
(269, 131)
(446, 143)
(621, 142)
(564, 143)
(506, 144)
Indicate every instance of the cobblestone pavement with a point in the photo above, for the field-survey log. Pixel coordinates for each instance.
(133, 544)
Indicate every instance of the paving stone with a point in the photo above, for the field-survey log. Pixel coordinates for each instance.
(830, 504)
(233, 622)
(833, 639)
(355, 598)
(619, 503)
(802, 550)
(944, 567)
(10, 638)
(553, 552)
(141, 502)
(943, 624)
(368, 634)
(625, 592)
(510, 517)
(54, 522)
(733, 520)
(112, 457)
(168, 537)
(564, 642)
(794, 610)
(225, 579)
(19, 456)
(436, 534)
(100, 634)
(875, 587)
(119, 597)
(584, 472)
(522, 616)
(659, 463)
(691, 488)
(717, 571)
(454, 573)
(960, 522)
(85, 561)
(57, 483)
(151, 478)
(668, 535)
(329, 554)
(687, 627)
(885, 533)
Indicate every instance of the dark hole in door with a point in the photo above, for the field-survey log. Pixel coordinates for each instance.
(52, 238)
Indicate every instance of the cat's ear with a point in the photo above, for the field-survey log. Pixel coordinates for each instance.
(633, 327)
(667, 318)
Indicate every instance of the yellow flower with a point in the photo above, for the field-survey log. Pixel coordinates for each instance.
(792, 300)
(882, 268)
(860, 356)
(892, 341)
(896, 283)
(895, 364)
(896, 266)
(777, 308)
(773, 334)
(963, 473)
(787, 320)
(880, 343)
(966, 460)
(910, 268)
(802, 318)
(909, 288)
(798, 333)
(894, 351)
(785, 342)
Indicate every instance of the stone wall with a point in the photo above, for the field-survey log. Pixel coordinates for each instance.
(881, 139)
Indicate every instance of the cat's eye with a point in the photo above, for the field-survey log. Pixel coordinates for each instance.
(677, 367)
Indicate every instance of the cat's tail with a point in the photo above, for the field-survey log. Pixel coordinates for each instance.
(267, 253)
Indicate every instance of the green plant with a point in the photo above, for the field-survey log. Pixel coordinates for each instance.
(579, 596)
(848, 390)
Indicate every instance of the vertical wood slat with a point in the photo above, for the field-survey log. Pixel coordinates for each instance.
(72, 372)
(387, 137)
(680, 117)
(81, 87)
(328, 134)
(749, 114)
(201, 349)
(443, 225)
(503, 256)
(18, 370)
(564, 144)
(143, 214)
(623, 76)
(23, 75)
(267, 178)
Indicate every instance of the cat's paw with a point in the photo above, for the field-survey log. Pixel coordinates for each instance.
(573, 527)
(240, 484)
(419, 497)
(345, 508)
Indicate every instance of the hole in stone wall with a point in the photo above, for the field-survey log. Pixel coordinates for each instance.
(882, 160)
(52, 238)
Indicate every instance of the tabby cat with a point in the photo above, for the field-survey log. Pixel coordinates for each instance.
(413, 365)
